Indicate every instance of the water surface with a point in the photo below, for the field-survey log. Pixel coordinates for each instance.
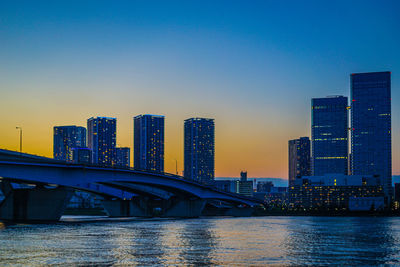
(207, 241)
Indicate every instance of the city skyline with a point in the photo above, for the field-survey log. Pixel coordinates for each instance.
(251, 70)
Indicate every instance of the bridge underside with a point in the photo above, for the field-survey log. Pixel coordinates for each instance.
(42, 203)
(125, 192)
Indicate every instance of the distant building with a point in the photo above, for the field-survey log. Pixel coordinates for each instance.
(84, 200)
(81, 155)
(371, 128)
(264, 186)
(332, 191)
(65, 139)
(199, 149)
(244, 187)
(338, 179)
(397, 192)
(274, 197)
(122, 158)
(149, 142)
(329, 135)
(299, 158)
(226, 185)
(102, 135)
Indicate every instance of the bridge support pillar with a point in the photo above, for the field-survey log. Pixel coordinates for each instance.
(185, 208)
(37, 204)
(137, 207)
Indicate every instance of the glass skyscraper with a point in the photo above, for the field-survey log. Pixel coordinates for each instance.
(329, 135)
(199, 149)
(148, 142)
(66, 138)
(102, 134)
(371, 146)
(299, 158)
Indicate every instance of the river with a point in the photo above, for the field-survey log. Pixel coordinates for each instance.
(255, 241)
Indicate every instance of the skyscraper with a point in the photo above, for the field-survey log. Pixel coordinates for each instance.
(329, 135)
(102, 139)
(122, 156)
(199, 149)
(149, 142)
(65, 139)
(299, 158)
(371, 146)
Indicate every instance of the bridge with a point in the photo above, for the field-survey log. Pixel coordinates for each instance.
(49, 184)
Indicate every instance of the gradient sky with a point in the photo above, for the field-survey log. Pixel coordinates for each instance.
(253, 66)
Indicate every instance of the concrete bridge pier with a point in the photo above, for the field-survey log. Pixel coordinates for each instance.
(137, 207)
(146, 207)
(38, 204)
(184, 208)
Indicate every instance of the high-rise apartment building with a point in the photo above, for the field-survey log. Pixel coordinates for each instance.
(102, 134)
(199, 149)
(149, 142)
(329, 135)
(371, 147)
(122, 156)
(299, 158)
(66, 138)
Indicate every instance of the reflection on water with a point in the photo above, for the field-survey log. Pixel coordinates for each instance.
(208, 241)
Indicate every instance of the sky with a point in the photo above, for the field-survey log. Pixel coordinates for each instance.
(253, 66)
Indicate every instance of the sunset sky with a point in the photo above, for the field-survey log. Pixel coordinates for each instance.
(253, 66)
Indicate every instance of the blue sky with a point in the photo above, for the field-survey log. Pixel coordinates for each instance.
(252, 65)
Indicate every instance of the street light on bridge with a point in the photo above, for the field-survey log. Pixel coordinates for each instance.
(20, 138)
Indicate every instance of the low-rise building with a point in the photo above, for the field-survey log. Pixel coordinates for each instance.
(81, 155)
(332, 191)
(243, 186)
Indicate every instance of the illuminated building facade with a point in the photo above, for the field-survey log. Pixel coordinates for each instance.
(148, 142)
(299, 158)
(371, 146)
(122, 156)
(332, 192)
(102, 134)
(66, 138)
(329, 134)
(199, 149)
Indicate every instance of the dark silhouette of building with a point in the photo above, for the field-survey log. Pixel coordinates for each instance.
(299, 158)
(149, 142)
(371, 146)
(66, 138)
(122, 157)
(329, 135)
(102, 134)
(264, 186)
(244, 187)
(81, 155)
(199, 149)
(226, 185)
(397, 192)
